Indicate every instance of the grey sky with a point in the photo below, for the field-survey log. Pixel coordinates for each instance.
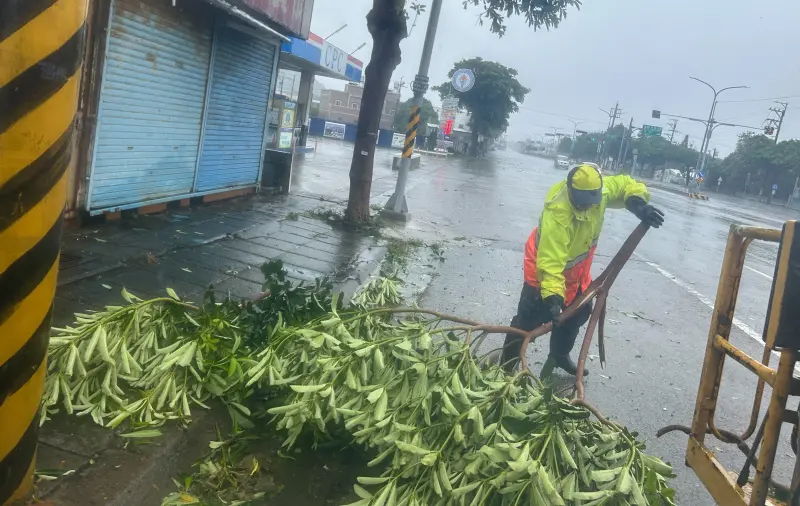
(639, 52)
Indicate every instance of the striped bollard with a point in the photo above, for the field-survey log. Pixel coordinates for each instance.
(41, 43)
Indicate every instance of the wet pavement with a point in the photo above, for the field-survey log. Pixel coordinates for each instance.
(660, 306)
(221, 246)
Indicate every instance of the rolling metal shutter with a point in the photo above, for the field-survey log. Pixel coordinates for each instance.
(151, 104)
(236, 112)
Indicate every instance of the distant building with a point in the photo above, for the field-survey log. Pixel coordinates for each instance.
(344, 106)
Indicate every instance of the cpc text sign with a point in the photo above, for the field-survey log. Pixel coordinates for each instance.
(333, 58)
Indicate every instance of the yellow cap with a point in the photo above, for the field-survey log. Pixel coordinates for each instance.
(586, 177)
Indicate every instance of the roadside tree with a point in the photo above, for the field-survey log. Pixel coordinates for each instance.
(427, 114)
(386, 22)
(495, 96)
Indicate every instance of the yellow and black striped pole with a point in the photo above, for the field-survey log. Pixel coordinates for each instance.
(396, 206)
(411, 131)
(41, 43)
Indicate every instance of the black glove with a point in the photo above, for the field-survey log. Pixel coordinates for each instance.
(645, 212)
(554, 304)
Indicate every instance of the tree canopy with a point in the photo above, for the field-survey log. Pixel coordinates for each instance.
(495, 96)
(767, 164)
(427, 114)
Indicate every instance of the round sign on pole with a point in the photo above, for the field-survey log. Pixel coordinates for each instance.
(463, 80)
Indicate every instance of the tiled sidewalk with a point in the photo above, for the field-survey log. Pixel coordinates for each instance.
(222, 244)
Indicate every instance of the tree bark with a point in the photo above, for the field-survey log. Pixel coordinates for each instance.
(387, 25)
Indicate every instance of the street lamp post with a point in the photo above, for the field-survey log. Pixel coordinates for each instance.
(574, 135)
(701, 158)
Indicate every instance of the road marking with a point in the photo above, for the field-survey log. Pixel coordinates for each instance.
(705, 300)
(759, 272)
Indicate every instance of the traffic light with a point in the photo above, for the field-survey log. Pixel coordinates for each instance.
(448, 127)
(656, 114)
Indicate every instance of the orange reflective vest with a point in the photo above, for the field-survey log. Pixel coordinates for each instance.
(559, 252)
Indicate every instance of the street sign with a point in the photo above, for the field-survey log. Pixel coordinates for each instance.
(463, 80)
(651, 131)
(449, 110)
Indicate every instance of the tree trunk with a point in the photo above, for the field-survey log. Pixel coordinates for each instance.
(387, 25)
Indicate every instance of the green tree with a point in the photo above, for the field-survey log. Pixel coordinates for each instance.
(565, 146)
(386, 22)
(767, 164)
(427, 115)
(491, 101)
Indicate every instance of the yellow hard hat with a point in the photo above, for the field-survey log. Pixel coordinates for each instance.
(586, 177)
(585, 186)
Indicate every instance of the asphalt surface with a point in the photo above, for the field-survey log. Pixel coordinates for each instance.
(659, 308)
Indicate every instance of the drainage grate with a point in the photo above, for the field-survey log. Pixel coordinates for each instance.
(69, 260)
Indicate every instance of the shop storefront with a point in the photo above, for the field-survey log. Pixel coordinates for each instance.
(183, 100)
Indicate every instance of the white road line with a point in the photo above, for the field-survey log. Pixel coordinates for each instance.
(758, 272)
(705, 300)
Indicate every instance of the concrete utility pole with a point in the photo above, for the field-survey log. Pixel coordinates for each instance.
(613, 115)
(776, 123)
(621, 142)
(701, 158)
(397, 202)
(674, 125)
(626, 139)
(40, 71)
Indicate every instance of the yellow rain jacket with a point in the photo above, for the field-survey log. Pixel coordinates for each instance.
(559, 252)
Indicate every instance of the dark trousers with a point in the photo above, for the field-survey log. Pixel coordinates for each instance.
(533, 312)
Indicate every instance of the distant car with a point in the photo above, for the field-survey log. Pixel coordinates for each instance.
(561, 162)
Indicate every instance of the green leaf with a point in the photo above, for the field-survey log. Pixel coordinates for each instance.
(172, 294)
(375, 395)
(361, 492)
(466, 489)
(429, 459)
(409, 448)
(142, 434)
(372, 480)
(308, 389)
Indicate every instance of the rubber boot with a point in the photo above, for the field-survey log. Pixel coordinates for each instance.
(565, 363)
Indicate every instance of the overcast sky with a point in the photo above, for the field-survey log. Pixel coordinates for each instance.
(639, 52)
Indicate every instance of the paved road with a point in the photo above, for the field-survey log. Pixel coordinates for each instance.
(654, 363)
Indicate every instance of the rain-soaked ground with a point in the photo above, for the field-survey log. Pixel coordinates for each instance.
(659, 308)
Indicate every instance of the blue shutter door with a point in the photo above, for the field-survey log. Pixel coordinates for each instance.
(233, 134)
(151, 104)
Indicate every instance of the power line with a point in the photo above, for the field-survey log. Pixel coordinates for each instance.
(559, 115)
(757, 99)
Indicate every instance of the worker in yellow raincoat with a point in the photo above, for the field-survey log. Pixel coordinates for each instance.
(559, 253)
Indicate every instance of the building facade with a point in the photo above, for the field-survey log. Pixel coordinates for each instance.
(175, 98)
(343, 106)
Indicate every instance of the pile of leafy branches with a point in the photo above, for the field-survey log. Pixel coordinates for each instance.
(444, 430)
(153, 360)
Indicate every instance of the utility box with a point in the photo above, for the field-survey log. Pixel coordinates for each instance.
(782, 329)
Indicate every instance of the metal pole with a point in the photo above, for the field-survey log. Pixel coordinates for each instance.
(397, 202)
(39, 85)
(621, 142)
